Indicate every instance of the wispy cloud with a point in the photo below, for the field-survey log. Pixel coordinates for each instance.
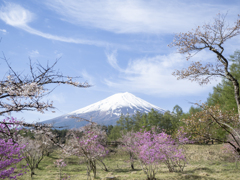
(112, 60)
(89, 78)
(17, 16)
(64, 39)
(153, 75)
(4, 31)
(33, 53)
(138, 16)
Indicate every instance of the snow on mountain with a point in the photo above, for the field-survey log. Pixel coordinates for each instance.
(106, 111)
(118, 101)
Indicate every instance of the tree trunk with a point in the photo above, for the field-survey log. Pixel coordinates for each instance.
(132, 166)
(39, 160)
(32, 173)
(94, 168)
(236, 92)
(131, 159)
(105, 167)
(230, 77)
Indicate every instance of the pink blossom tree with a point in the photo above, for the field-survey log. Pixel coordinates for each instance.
(89, 146)
(151, 149)
(10, 152)
(127, 140)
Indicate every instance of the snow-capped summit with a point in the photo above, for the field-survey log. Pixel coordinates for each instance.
(106, 111)
(118, 101)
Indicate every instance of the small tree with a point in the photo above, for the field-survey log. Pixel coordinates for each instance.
(91, 146)
(60, 164)
(46, 145)
(32, 152)
(151, 149)
(127, 140)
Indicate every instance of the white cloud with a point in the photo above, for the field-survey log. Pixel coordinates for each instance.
(154, 76)
(33, 53)
(138, 16)
(64, 39)
(58, 54)
(4, 31)
(17, 16)
(112, 59)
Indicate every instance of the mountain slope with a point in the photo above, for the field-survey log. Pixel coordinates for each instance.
(107, 111)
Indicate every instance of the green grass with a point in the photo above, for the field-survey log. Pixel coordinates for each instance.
(206, 162)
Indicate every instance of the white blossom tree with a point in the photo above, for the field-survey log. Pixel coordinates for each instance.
(211, 36)
(33, 153)
(25, 92)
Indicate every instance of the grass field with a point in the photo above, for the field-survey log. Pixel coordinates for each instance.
(205, 162)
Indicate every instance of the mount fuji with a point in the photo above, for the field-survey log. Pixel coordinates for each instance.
(106, 111)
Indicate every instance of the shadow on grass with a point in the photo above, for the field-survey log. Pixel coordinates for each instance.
(190, 174)
(125, 170)
(40, 168)
(76, 170)
(52, 157)
(72, 163)
(193, 177)
(121, 170)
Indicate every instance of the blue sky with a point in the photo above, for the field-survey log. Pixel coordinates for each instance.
(116, 46)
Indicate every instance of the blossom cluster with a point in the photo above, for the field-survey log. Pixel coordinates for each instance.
(60, 163)
(88, 146)
(10, 154)
(151, 149)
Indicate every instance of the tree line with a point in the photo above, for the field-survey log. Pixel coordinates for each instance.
(168, 122)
